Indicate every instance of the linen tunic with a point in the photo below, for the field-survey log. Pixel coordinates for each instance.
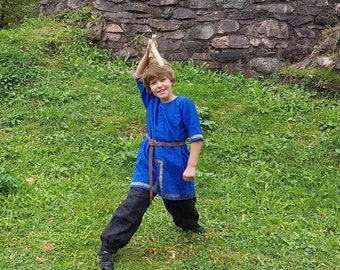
(175, 121)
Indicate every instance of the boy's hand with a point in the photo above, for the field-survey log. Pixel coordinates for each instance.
(189, 173)
(148, 47)
(144, 61)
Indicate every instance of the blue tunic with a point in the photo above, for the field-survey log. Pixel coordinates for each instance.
(174, 121)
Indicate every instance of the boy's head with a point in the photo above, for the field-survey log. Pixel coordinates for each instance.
(154, 70)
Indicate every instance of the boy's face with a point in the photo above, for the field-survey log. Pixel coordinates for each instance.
(162, 88)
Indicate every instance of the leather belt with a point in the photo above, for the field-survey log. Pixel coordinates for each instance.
(152, 144)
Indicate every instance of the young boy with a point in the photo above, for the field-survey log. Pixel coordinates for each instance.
(164, 165)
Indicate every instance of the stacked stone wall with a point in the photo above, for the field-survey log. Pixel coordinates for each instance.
(251, 36)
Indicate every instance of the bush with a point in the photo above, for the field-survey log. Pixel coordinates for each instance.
(8, 184)
(12, 12)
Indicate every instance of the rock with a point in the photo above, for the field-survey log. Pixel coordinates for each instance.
(227, 26)
(235, 4)
(265, 65)
(205, 31)
(325, 61)
(76, 4)
(184, 14)
(276, 8)
(337, 64)
(232, 41)
(296, 53)
(229, 56)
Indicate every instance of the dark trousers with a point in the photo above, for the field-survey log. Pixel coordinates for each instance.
(129, 214)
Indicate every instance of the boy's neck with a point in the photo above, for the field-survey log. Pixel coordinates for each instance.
(168, 99)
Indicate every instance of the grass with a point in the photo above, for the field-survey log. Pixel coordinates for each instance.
(70, 126)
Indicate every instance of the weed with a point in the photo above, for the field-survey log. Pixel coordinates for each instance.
(205, 118)
(15, 12)
(76, 15)
(138, 42)
(8, 184)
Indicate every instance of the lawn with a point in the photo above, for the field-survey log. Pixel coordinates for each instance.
(70, 125)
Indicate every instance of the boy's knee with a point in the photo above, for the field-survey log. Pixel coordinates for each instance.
(139, 193)
(137, 198)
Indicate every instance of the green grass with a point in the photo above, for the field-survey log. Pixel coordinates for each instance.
(71, 119)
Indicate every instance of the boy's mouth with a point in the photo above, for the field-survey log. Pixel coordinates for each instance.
(161, 91)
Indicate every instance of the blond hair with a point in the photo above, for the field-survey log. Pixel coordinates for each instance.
(154, 70)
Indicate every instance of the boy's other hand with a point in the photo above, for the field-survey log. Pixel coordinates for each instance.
(189, 173)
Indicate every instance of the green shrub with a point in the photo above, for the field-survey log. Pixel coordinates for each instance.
(8, 184)
(205, 118)
(13, 12)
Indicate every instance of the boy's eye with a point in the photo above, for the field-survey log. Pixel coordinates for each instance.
(154, 82)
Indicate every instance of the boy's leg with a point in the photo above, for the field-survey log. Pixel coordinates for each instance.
(125, 221)
(184, 214)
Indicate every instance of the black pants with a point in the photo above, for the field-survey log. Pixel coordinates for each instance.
(128, 217)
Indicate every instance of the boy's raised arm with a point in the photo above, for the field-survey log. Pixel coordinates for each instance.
(143, 62)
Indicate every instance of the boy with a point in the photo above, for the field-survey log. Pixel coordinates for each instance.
(164, 165)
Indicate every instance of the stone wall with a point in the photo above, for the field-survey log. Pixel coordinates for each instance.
(252, 36)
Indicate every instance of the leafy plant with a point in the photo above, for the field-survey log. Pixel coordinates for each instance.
(16, 69)
(13, 12)
(8, 184)
(205, 118)
(79, 17)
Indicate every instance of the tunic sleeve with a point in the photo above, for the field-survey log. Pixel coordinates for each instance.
(191, 121)
(144, 94)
